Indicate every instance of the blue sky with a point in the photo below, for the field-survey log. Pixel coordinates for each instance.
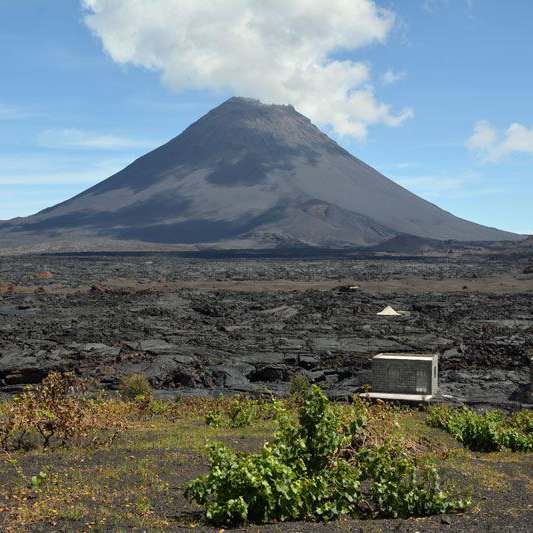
(441, 97)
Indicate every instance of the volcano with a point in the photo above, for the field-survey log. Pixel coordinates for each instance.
(246, 175)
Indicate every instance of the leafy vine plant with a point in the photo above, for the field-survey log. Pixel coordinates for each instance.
(318, 467)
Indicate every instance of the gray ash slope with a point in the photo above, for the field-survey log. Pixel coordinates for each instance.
(246, 175)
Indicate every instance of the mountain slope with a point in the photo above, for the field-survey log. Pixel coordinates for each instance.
(246, 174)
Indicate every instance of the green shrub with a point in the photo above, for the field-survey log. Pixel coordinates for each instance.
(135, 387)
(38, 480)
(157, 407)
(242, 413)
(214, 418)
(299, 386)
(487, 432)
(398, 487)
(311, 471)
(523, 421)
(238, 413)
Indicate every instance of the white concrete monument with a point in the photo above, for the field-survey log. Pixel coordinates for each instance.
(404, 376)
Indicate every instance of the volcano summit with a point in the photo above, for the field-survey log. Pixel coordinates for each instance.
(246, 175)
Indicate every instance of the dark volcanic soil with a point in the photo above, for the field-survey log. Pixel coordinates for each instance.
(497, 484)
(205, 324)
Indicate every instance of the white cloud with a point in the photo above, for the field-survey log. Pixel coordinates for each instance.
(274, 50)
(432, 185)
(53, 178)
(40, 170)
(390, 76)
(461, 185)
(492, 147)
(72, 138)
(431, 5)
(393, 167)
(517, 138)
(8, 112)
(35, 180)
(484, 136)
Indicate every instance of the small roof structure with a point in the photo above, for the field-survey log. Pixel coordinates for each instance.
(388, 311)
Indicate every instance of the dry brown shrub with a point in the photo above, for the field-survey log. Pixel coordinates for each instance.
(100, 288)
(135, 387)
(7, 288)
(199, 407)
(44, 275)
(55, 414)
(382, 426)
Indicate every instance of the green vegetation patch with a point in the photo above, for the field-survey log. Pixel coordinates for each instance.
(485, 432)
(112, 463)
(318, 468)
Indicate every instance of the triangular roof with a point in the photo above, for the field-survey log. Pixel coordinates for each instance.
(389, 311)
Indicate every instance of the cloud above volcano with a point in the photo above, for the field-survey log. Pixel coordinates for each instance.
(296, 52)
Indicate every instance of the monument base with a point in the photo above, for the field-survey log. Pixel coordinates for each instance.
(396, 396)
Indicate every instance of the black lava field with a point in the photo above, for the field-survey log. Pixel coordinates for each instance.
(205, 325)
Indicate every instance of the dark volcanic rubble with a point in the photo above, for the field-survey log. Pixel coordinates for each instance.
(196, 337)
